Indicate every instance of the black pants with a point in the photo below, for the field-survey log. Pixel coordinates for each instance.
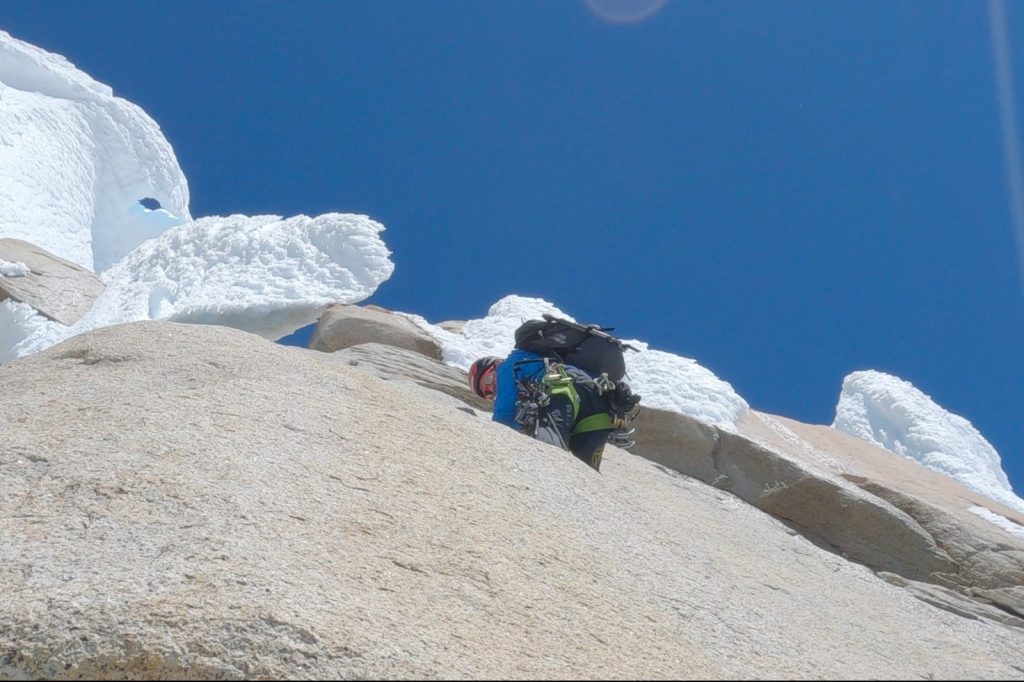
(555, 425)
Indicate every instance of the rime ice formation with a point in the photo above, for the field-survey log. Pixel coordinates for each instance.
(262, 274)
(893, 414)
(90, 178)
(76, 160)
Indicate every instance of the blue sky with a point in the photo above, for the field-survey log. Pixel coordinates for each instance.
(785, 191)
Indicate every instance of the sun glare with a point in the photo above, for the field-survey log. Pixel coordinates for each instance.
(625, 11)
(1008, 124)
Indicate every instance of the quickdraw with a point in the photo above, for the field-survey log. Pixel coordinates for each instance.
(534, 395)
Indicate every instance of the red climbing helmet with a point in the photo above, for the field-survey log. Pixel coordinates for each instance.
(482, 377)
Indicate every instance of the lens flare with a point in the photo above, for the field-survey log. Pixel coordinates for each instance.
(1008, 124)
(624, 11)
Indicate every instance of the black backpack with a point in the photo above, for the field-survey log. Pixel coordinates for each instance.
(588, 347)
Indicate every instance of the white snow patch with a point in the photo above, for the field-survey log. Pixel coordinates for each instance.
(999, 520)
(17, 322)
(13, 269)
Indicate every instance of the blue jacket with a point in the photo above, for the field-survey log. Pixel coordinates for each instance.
(520, 365)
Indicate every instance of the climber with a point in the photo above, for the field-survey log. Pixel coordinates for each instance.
(557, 403)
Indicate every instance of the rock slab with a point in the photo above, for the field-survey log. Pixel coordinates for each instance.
(342, 326)
(59, 289)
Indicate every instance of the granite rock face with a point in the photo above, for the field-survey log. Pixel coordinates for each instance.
(453, 326)
(57, 288)
(870, 505)
(398, 364)
(188, 501)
